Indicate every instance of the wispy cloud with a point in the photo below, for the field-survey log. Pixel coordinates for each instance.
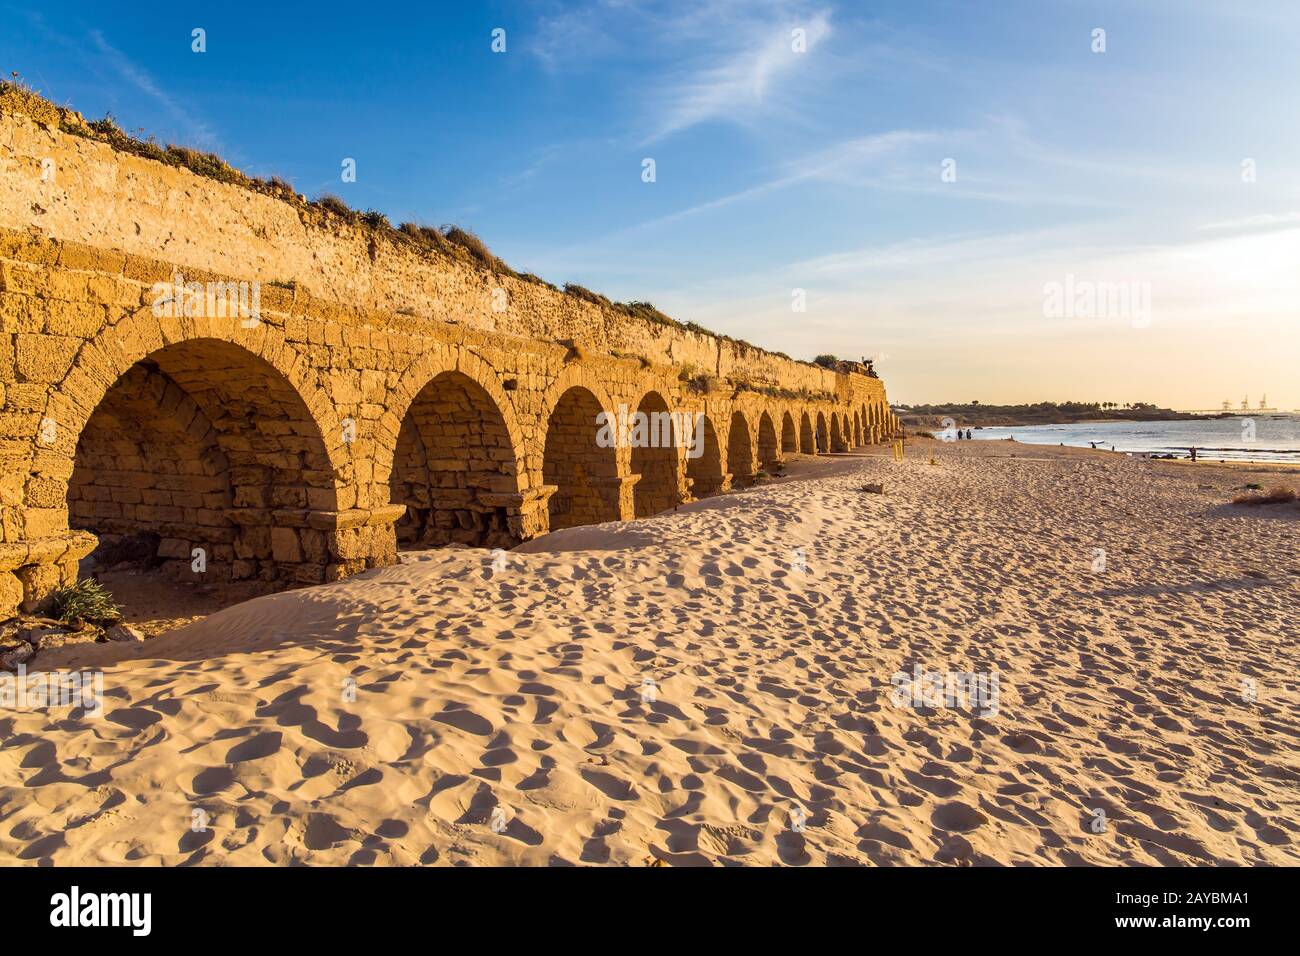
(822, 164)
(695, 62)
(199, 131)
(902, 160)
(735, 83)
(1261, 221)
(565, 35)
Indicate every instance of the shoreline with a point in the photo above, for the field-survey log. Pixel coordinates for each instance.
(1176, 452)
(1280, 467)
(928, 421)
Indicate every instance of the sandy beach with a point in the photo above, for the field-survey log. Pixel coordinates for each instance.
(714, 686)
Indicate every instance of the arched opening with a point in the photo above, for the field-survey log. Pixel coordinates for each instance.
(857, 430)
(454, 468)
(204, 459)
(705, 469)
(769, 455)
(654, 457)
(740, 451)
(823, 436)
(837, 434)
(806, 443)
(584, 473)
(789, 434)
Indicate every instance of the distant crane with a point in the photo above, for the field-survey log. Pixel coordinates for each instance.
(1243, 408)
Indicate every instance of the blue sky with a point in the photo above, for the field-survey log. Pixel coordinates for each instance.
(779, 170)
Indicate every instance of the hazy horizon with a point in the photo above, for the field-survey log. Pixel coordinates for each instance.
(1235, 406)
(927, 177)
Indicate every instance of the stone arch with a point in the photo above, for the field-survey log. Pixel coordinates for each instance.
(807, 443)
(455, 467)
(769, 449)
(575, 375)
(857, 430)
(418, 375)
(101, 361)
(585, 476)
(837, 433)
(203, 443)
(705, 470)
(789, 433)
(740, 450)
(655, 457)
(823, 435)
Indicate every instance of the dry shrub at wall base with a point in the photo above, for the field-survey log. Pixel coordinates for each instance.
(84, 601)
(1274, 496)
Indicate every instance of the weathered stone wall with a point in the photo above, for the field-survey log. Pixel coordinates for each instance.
(110, 200)
(381, 387)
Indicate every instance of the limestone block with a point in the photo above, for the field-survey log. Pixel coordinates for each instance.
(174, 548)
(38, 580)
(11, 593)
(285, 546)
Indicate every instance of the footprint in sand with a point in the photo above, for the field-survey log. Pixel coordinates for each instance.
(465, 719)
(1022, 743)
(610, 785)
(255, 748)
(958, 817)
(792, 848)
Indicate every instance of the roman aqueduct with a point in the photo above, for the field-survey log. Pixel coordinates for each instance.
(380, 397)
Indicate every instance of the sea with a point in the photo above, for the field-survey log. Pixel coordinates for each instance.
(1260, 437)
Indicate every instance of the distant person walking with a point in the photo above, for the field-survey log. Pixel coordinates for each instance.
(1193, 450)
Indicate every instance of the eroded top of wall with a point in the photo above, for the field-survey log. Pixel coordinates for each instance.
(82, 190)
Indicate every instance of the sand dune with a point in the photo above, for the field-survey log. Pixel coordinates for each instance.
(676, 690)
